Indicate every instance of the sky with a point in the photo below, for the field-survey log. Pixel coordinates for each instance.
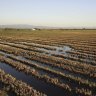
(57, 13)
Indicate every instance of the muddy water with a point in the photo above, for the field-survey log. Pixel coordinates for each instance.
(39, 85)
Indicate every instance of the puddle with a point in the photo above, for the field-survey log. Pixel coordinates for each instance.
(58, 50)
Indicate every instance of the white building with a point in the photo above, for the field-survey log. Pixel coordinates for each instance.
(33, 29)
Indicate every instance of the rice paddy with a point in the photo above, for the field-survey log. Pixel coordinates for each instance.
(48, 62)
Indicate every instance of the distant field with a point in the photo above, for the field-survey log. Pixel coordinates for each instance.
(48, 62)
(47, 34)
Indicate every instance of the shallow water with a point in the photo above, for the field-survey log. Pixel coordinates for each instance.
(58, 50)
(44, 65)
(35, 62)
(46, 49)
(39, 85)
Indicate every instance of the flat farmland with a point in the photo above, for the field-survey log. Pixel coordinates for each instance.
(48, 62)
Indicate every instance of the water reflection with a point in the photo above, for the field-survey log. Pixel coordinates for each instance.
(39, 85)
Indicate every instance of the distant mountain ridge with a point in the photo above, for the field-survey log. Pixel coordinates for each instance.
(25, 26)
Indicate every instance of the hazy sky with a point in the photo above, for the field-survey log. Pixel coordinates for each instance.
(64, 13)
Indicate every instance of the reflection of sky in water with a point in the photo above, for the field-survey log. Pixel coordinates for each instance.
(44, 65)
(50, 50)
(59, 50)
(34, 62)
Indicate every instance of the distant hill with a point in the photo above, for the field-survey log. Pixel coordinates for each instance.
(25, 26)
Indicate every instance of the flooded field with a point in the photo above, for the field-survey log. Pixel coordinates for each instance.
(32, 81)
(61, 65)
